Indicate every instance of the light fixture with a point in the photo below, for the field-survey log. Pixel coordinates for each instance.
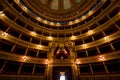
(83, 17)
(38, 18)
(25, 8)
(58, 24)
(77, 20)
(70, 23)
(106, 38)
(45, 21)
(58, 51)
(90, 32)
(46, 61)
(90, 12)
(73, 37)
(33, 33)
(24, 58)
(4, 34)
(77, 61)
(50, 37)
(2, 14)
(84, 46)
(39, 46)
(101, 58)
(51, 23)
(65, 51)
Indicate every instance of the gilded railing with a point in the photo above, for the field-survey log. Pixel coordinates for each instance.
(27, 59)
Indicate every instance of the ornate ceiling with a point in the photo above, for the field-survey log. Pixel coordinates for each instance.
(60, 4)
(61, 11)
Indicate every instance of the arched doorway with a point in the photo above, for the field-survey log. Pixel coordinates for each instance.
(62, 73)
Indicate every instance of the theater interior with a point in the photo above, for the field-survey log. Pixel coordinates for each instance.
(59, 39)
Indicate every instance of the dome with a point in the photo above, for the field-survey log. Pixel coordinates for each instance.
(60, 11)
(60, 4)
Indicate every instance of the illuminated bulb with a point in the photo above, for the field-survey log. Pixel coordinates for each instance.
(84, 46)
(106, 38)
(77, 61)
(46, 61)
(38, 18)
(51, 23)
(90, 32)
(39, 46)
(45, 21)
(50, 38)
(90, 12)
(83, 17)
(101, 58)
(1, 13)
(65, 52)
(58, 51)
(58, 24)
(77, 20)
(25, 8)
(70, 23)
(4, 34)
(73, 37)
(24, 58)
(33, 33)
